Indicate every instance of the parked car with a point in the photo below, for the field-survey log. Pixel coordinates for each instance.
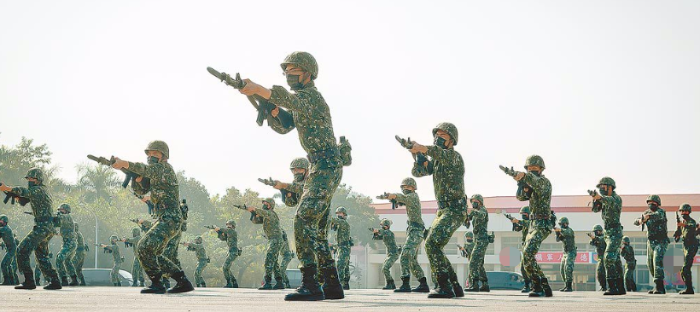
(101, 277)
(504, 280)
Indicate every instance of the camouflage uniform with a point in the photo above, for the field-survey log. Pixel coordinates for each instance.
(287, 256)
(611, 206)
(657, 243)
(467, 251)
(568, 239)
(447, 168)
(64, 260)
(479, 216)
(202, 260)
(414, 235)
(8, 240)
(392, 253)
(136, 270)
(523, 227)
(80, 252)
(344, 242)
(292, 191)
(230, 236)
(598, 241)
(273, 232)
(627, 252)
(117, 258)
(689, 235)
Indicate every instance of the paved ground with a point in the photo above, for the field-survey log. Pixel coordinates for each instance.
(105, 299)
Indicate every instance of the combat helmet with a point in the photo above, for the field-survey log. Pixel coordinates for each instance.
(477, 197)
(626, 239)
(385, 222)
(534, 160)
(563, 220)
(607, 181)
(409, 182)
(654, 198)
(300, 163)
(469, 234)
(597, 227)
(4, 218)
(65, 207)
(525, 209)
(685, 207)
(36, 173)
(450, 128)
(270, 201)
(304, 60)
(231, 222)
(113, 238)
(159, 146)
(135, 232)
(342, 210)
(198, 239)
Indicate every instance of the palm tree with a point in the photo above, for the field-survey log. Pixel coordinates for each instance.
(97, 181)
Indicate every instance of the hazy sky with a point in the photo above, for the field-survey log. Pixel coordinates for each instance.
(595, 87)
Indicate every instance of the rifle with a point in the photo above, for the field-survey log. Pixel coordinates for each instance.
(597, 206)
(524, 191)
(269, 182)
(244, 207)
(15, 198)
(104, 247)
(394, 203)
(509, 217)
(591, 235)
(134, 220)
(130, 175)
(211, 227)
(264, 108)
(127, 244)
(408, 144)
(679, 230)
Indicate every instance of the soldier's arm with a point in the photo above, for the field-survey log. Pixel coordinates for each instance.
(295, 187)
(403, 199)
(421, 170)
(138, 188)
(152, 171)
(658, 215)
(538, 184)
(221, 235)
(301, 102)
(22, 191)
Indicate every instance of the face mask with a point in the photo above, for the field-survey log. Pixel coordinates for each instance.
(469, 240)
(565, 225)
(293, 82)
(152, 160)
(653, 207)
(475, 205)
(406, 191)
(266, 206)
(602, 191)
(439, 142)
(536, 173)
(686, 216)
(31, 183)
(298, 177)
(525, 217)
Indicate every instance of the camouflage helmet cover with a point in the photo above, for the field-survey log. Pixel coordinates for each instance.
(654, 198)
(534, 160)
(113, 238)
(198, 238)
(385, 222)
(468, 234)
(597, 227)
(563, 220)
(450, 128)
(270, 201)
(301, 163)
(626, 239)
(607, 181)
(158, 146)
(231, 222)
(477, 197)
(304, 60)
(65, 207)
(36, 173)
(4, 218)
(409, 182)
(685, 207)
(525, 209)
(342, 210)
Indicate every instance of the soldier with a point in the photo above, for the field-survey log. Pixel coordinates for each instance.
(610, 206)
(64, 260)
(8, 240)
(657, 240)
(447, 168)
(344, 241)
(287, 256)
(523, 227)
(688, 233)
(273, 231)
(80, 252)
(392, 251)
(480, 217)
(37, 271)
(230, 236)
(414, 237)
(113, 249)
(466, 252)
(540, 221)
(292, 191)
(202, 259)
(313, 121)
(165, 195)
(566, 235)
(598, 240)
(38, 239)
(173, 246)
(631, 263)
(136, 270)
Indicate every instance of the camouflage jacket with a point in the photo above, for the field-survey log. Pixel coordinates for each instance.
(522, 226)
(689, 232)
(657, 225)
(199, 251)
(628, 253)
(40, 199)
(479, 218)
(80, 241)
(230, 236)
(312, 118)
(7, 237)
(611, 207)
(134, 241)
(270, 222)
(448, 173)
(116, 254)
(66, 226)
(342, 228)
(145, 225)
(292, 193)
(413, 209)
(165, 191)
(567, 237)
(540, 199)
(468, 248)
(387, 236)
(599, 242)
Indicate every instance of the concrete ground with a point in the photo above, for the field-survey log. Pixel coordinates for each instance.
(106, 299)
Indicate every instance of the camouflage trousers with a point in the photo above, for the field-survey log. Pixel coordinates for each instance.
(600, 267)
(271, 257)
(286, 258)
(476, 262)
(566, 268)
(201, 265)
(152, 252)
(344, 263)
(114, 274)
(447, 221)
(7, 268)
(629, 272)
(613, 263)
(409, 254)
(172, 250)
(388, 263)
(79, 260)
(37, 241)
(655, 258)
(137, 271)
(311, 219)
(232, 255)
(539, 231)
(64, 260)
(689, 253)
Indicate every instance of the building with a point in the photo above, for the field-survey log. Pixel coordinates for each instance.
(503, 255)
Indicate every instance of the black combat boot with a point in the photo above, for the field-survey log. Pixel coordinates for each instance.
(64, 281)
(115, 284)
(537, 290)
(74, 281)
(633, 286)
(28, 282)
(456, 287)
(473, 286)
(309, 290)
(331, 285)
(234, 283)
(612, 288)
(660, 289)
(135, 283)
(182, 284)
(621, 285)
(54, 284)
(267, 285)
(545, 287)
(444, 289)
(204, 284)
(484, 287)
(422, 286)
(346, 285)
(7, 280)
(38, 281)
(601, 281)
(688, 288)
(156, 286)
(567, 288)
(526, 287)
(389, 285)
(82, 280)
(229, 284)
(119, 283)
(405, 285)
(286, 283)
(279, 283)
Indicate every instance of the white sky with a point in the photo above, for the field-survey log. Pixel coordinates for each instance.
(595, 87)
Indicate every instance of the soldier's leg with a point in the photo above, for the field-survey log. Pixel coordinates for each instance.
(570, 263)
(152, 246)
(61, 260)
(7, 268)
(26, 247)
(286, 258)
(227, 267)
(70, 267)
(534, 239)
(409, 256)
(343, 263)
(600, 271)
(114, 273)
(274, 262)
(650, 258)
(42, 257)
(270, 256)
(172, 249)
(689, 256)
(659, 253)
(448, 220)
(79, 261)
(612, 255)
(198, 272)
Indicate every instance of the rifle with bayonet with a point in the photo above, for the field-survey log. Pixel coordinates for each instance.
(130, 175)
(394, 203)
(253, 215)
(524, 191)
(420, 158)
(13, 198)
(212, 227)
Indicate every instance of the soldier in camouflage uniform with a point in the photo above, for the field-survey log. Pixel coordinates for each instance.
(273, 231)
(313, 122)
(113, 249)
(165, 196)
(566, 235)
(38, 239)
(466, 252)
(8, 241)
(230, 236)
(202, 259)
(598, 241)
(136, 270)
(287, 256)
(479, 216)
(657, 240)
(392, 251)
(688, 233)
(414, 236)
(523, 227)
(344, 241)
(80, 252)
(631, 263)
(447, 168)
(64, 260)
(292, 191)
(610, 205)
(540, 221)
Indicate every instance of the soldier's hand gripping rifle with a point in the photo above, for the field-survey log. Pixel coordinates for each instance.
(524, 191)
(264, 108)
(14, 198)
(420, 158)
(130, 175)
(244, 207)
(212, 227)
(511, 218)
(394, 203)
(591, 235)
